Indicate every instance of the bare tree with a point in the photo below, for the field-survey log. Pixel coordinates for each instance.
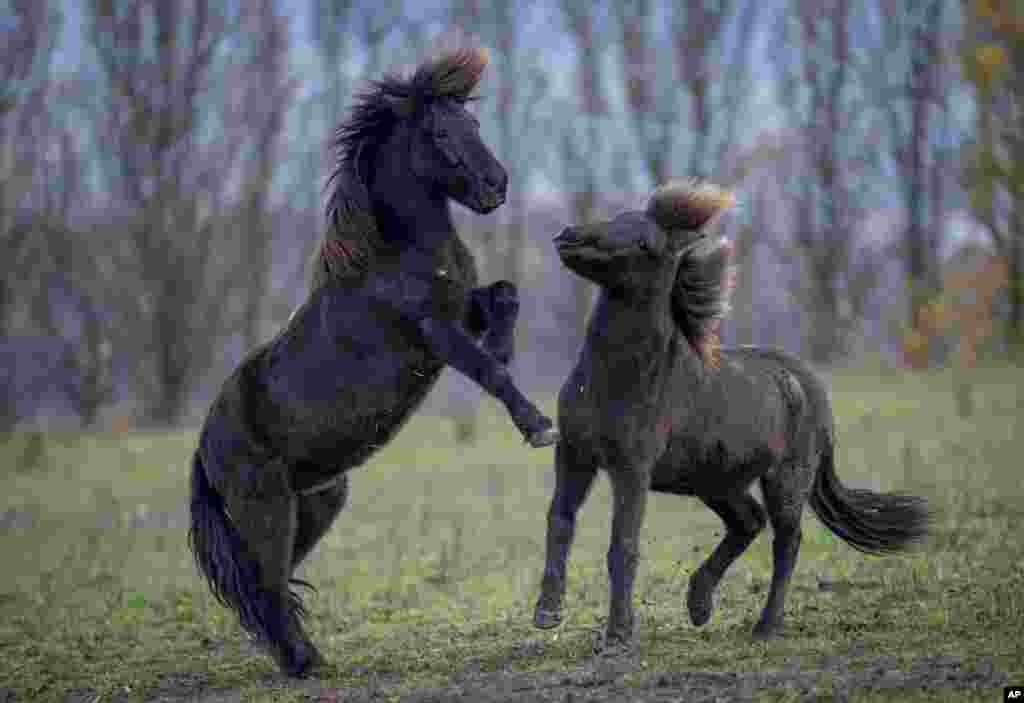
(26, 40)
(170, 146)
(651, 105)
(267, 100)
(27, 36)
(703, 38)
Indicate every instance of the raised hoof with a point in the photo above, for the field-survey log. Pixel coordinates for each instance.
(699, 600)
(544, 619)
(543, 438)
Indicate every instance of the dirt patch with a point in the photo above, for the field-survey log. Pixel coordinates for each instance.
(620, 679)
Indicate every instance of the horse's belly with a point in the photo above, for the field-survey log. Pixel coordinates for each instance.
(710, 467)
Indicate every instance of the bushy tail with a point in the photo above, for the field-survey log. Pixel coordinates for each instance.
(876, 523)
(222, 559)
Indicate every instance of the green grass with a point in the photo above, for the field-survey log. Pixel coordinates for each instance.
(434, 566)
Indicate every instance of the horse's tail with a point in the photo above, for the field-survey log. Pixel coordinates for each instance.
(876, 523)
(233, 576)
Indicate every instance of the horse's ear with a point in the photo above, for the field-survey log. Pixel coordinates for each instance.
(688, 205)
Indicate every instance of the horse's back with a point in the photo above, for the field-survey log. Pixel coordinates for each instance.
(795, 378)
(802, 396)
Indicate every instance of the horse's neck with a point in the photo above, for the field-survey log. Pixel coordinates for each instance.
(627, 333)
(416, 232)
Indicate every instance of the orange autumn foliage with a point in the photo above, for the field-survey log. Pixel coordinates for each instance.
(964, 315)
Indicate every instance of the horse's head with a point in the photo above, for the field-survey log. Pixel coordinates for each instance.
(433, 137)
(664, 249)
(631, 248)
(448, 154)
(623, 252)
(408, 138)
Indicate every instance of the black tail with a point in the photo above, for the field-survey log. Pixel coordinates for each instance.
(222, 558)
(876, 523)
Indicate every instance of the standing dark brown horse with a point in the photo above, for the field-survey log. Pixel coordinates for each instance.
(393, 302)
(654, 402)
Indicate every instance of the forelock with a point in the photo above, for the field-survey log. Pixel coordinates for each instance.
(688, 204)
(453, 73)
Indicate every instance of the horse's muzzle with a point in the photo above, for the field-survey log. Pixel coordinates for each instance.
(569, 238)
(491, 200)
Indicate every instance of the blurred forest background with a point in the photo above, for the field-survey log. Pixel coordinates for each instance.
(162, 168)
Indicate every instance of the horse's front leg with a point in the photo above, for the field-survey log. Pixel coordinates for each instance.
(493, 313)
(574, 476)
(630, 485)
(450, 341)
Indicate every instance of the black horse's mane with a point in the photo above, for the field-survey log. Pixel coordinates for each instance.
(704, 279)
(348, 242)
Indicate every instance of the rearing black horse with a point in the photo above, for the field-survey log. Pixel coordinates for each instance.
(393, 301)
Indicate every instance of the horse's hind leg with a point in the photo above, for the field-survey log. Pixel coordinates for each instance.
(316, 513)
(265, 513)
(744, 519)
(574, 477)
(784, 495)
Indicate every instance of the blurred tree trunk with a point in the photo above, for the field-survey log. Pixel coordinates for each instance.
(331, 26)
(712, 44)
(579, 157)
(27, 38)
(993, 60)
(270, 93)
(820, 90)
(752, 168)
(745, 242)
(70, 307)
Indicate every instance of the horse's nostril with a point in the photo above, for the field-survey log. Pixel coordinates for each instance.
(566, 235)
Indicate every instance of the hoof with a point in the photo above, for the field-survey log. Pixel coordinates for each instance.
(544, 619)
(766, 631)
(610, 645)
(301, 663)
(543, 438)
(699, 600)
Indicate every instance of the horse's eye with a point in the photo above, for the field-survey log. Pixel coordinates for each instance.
(441, 133)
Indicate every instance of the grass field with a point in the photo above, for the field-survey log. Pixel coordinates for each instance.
(431, 572)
